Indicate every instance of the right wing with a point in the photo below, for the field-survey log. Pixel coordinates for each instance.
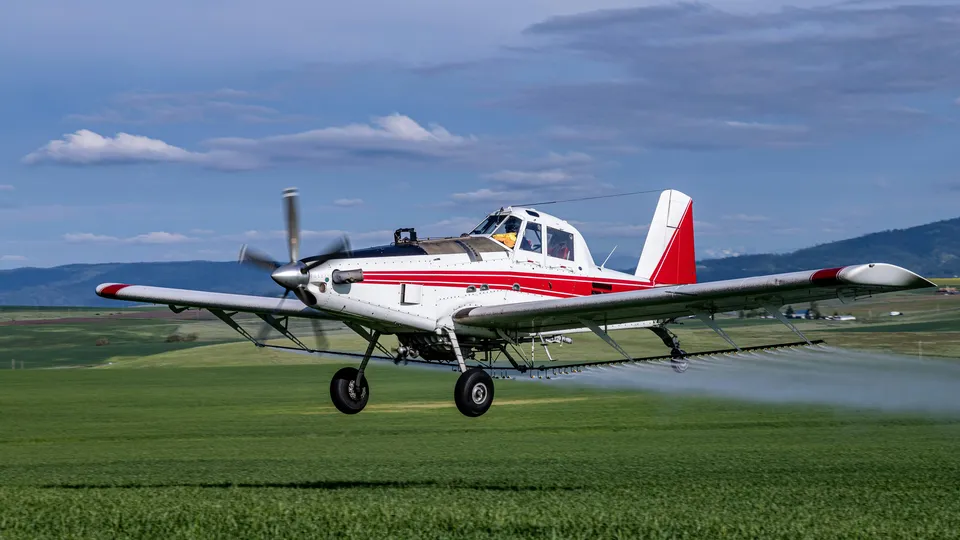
(668, 302)
(208, 300)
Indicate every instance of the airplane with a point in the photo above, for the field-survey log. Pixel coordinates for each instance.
(520, 274)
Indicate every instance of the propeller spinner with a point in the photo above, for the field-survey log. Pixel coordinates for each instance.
(294, 275)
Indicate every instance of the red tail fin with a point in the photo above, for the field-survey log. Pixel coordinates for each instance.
(668, 256)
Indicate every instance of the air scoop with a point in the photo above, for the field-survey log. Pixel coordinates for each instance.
(291, 276)
(341, 277)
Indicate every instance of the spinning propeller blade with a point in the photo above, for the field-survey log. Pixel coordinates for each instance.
(290, 196)
(339, 248)
(253, 257)
(322, 344)
(294, 275)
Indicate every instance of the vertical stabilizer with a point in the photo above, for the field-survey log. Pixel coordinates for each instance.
(668, 255)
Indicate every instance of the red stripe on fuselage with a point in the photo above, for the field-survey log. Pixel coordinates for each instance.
(464, 285)
(460, 273)
(544, 284)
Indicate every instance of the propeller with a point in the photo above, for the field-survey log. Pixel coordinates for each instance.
(294, 275)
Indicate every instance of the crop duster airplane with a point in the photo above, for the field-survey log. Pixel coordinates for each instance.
(520, 274)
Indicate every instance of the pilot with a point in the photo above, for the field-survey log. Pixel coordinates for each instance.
(509, 236)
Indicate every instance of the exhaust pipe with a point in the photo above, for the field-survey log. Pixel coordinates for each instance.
(341, 277)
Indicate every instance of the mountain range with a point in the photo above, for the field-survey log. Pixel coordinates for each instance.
(931, 250)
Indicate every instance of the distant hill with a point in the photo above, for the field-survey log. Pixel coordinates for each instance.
(74, 284)
(932, 250)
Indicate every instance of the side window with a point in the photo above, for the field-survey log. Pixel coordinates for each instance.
(559, 244)
(532, 241)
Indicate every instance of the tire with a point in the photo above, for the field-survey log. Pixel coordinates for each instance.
(474, 392)
(343, 394)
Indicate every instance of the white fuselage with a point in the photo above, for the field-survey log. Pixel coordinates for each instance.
(418, 286)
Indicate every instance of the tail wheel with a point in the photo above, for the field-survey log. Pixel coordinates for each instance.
(474, 392)
(349, 397)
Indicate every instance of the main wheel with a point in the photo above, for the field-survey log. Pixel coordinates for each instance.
(349, 397)
(474, 392)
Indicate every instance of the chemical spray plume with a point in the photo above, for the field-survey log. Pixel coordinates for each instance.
(816, 375)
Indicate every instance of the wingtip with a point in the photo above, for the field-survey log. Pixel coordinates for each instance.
(109, 290)
(884, 274)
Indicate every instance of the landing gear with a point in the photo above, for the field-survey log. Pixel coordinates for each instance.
(349, 390)
(474, 392)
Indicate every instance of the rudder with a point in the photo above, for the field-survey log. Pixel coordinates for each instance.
(668, 255)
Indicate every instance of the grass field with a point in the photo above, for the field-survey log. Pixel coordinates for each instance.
(259, 452)
(215, 438)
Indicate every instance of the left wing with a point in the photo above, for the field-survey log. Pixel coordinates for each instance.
(182, 298)
(664, 303)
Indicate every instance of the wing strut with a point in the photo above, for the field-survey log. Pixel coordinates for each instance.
(513, 362)
(370, 336)
(604, 336)
(775, 311)
(282, 328)
(705, 319)
(228, 319)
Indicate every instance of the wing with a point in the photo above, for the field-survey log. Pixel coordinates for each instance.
(209, 300)
(660, 303)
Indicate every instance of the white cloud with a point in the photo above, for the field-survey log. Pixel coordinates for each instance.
(159, 237)
(555, 159)
(701, 225)
(581, 134)
(12, 258)
(86, 147)
(722, 252)
(761, 126)
(454, 225)
(6, 187)
(532, 178)
(697, 76)
(389, 138)
(346, 203)
(602, 229)
(746, 218)
(89, 237)
(487, 195)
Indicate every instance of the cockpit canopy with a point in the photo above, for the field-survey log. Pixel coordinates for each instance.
(523, 230)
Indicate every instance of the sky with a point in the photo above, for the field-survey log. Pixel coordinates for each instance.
(149, 131)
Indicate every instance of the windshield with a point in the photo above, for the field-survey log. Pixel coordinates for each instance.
(488, 225)
(507, 232)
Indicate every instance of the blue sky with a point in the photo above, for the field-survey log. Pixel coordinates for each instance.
(167, 131)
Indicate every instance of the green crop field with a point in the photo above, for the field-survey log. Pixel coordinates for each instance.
(259, 452)
(214, 438)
